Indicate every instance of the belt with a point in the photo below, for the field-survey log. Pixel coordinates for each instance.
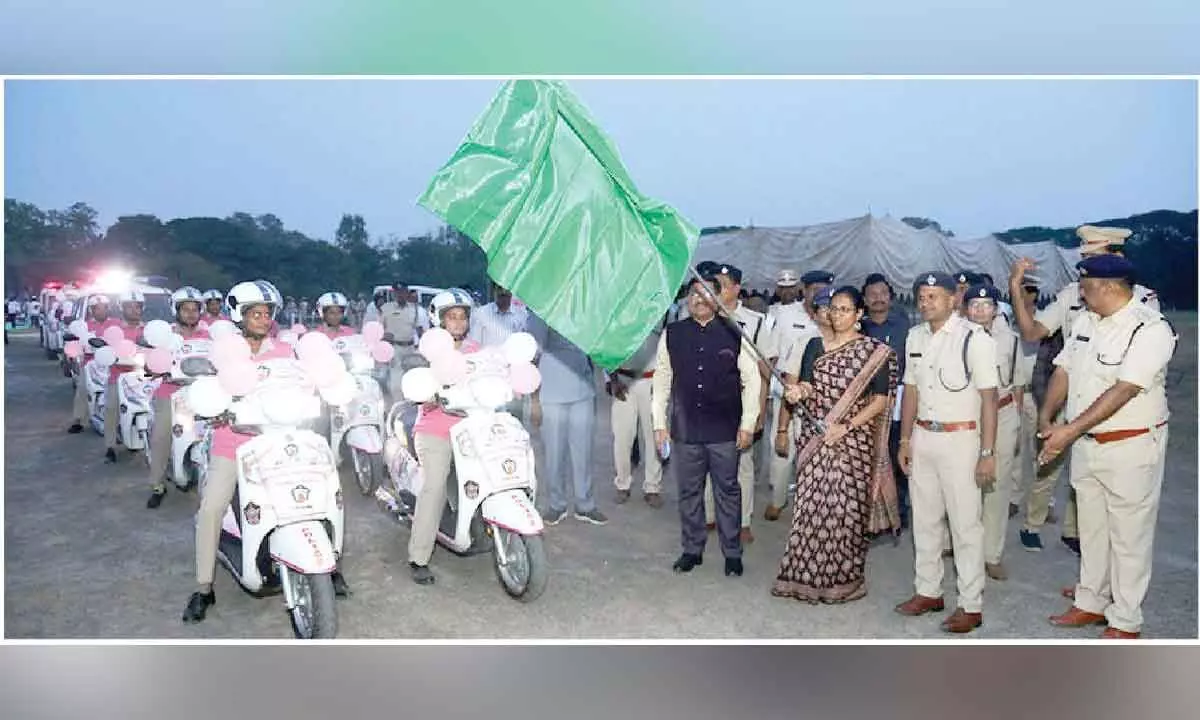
(1005, 401)
(632, 374)
(403, 344)
(935, 426)
(1027, 388)
(1115, 435)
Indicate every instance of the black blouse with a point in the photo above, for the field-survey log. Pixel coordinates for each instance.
(816, 348)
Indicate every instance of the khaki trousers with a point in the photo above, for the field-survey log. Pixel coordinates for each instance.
(1118, 486)
(782, 470)
(111, 406)
(745, 476)
(216, 493)
(628, 416)
(435, 456)
(942, 485)
(160, 443)
(996, 498)
(1041, 494)
(1026, 470)
(81, 401)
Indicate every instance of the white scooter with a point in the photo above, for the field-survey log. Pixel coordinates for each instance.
(492, 485)
(356, 429)
(95, 382)
(190, 435)
(283, 532)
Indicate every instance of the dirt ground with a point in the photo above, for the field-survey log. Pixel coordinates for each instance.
(85, 559)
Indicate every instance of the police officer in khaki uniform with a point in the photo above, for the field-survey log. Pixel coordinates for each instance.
(795, 325)
(982, 306)
(760, 330)
(1058, 316)
(401, 323)
(631, 388)
(947, 448)
(1112, 374)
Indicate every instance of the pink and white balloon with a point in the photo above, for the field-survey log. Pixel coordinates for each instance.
(113, 335)
(383, 352)
(157, 334)
(525, 377)
(160, 360)
(73, 349)
(372, 332)
(239, 377)
(221, 328)
(435, 343)
(229, 350)
(450, 368)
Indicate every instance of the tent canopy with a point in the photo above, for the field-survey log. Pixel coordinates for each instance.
(852, 249)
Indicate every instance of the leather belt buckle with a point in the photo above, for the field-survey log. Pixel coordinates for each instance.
(934, 426)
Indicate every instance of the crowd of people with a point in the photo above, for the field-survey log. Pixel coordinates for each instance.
(867, 424)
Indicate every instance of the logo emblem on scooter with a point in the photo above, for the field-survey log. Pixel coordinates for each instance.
(253, 513)
(300, 494)
(510, 466)
(472, 489)
(291, 450)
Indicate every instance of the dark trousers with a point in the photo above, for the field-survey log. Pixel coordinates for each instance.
(692, 463)
(901, 478)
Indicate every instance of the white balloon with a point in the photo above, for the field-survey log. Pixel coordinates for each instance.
(176, 343)
(341, 392)
(158, 333)
(520, 347)
(105, 356)
(220, 329)
(207, 398)
(419, 385)
(289, 337)
(79, 329)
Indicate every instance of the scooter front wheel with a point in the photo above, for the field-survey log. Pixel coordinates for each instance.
(315, 614)
(368, 470)
(525, 572)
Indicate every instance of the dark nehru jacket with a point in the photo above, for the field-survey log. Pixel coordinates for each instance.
(707, 387)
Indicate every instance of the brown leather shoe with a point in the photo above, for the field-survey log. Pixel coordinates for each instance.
(1076, 618)
(962, 622)
(771, 513)
(622, 497)
(654, 500)
(1114, 634)
(918, 605)
(996, 571)
(747, 536)
(1068, 592)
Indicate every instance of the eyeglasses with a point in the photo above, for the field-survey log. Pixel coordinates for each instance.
(842, 309)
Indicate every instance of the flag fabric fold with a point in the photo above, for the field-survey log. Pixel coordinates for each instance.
(542, 190)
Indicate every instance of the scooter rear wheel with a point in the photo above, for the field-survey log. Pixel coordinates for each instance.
(367, 469)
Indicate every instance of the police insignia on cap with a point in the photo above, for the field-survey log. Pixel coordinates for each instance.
(930, 280)
(724, 270)
(982, 292)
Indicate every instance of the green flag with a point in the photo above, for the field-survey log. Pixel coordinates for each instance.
(541, 189)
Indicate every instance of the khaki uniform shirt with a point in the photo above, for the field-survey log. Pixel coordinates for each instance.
(936, 370)
(1068, 305)
(1132, 345)
(401, 322)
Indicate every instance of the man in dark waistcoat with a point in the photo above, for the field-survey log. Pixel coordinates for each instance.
(709, 377)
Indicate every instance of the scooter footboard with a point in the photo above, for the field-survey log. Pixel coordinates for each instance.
(512, 510)
(304, 547)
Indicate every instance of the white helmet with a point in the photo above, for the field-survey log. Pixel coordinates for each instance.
(447, 299)
(132, 295)
(252, 292)
(187, 293)
(213, 295)
(331, 299)
(94, 300)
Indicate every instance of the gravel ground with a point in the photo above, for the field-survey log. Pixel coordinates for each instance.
(84, 558)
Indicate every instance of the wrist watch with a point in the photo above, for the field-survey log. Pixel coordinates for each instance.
(987, 453)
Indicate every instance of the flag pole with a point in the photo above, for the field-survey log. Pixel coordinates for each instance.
(731, 322)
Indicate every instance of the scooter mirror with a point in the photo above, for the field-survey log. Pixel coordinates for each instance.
(69, 337)
(96, 342)
(195, 366)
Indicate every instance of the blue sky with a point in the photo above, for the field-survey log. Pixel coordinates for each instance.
(979, 156)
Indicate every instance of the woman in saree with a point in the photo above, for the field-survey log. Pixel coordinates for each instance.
(845, 490)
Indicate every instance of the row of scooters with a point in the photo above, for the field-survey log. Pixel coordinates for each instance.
(283, 532)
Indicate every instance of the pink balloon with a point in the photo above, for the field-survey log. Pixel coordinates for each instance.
(73, 349)
(113, 335)
(299, 329)
(229, 350)
(313, 343)
(159, 360)
(383, 352)
(238, 378)
(126, 349)
(323, 370)
(525, 377)
(450, 368)
(435, 343)
(372, 332)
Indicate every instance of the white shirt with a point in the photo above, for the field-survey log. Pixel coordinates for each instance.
(491, 327)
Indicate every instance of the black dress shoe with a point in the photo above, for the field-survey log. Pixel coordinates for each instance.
(687, 562)
(156, 498)
(421, 574)
(733, 566)
(340, 587)
(110, 456)
(75, 429)
(198, 605)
